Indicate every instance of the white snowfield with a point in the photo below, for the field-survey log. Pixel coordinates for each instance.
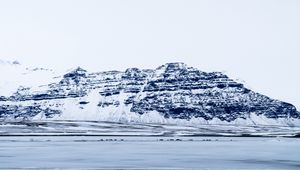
(14, 75)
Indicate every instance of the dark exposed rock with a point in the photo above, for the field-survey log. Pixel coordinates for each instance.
(2, 98)
(84, 102)
(49, 113)
(108, 103)
(25, 112)
(134, 74)
(78, 72)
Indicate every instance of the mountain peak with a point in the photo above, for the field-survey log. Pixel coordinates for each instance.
(76, 72)
(172, 66)
(79, 70)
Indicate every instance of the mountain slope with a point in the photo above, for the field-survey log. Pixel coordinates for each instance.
(172, 92)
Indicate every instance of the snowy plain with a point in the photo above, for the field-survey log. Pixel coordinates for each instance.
(94, 152)
(116, 145)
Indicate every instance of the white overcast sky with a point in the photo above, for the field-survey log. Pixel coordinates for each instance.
(257, 41)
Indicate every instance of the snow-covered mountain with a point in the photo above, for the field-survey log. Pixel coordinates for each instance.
(14, 75)
(172, 92)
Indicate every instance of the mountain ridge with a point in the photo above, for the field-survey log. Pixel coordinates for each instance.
(173, 91)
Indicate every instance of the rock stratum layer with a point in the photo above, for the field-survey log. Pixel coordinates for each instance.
(173, 91)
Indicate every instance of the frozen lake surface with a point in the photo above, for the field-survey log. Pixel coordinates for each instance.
(91, 152)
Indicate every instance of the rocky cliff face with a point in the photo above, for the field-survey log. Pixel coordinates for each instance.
(173, 91)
